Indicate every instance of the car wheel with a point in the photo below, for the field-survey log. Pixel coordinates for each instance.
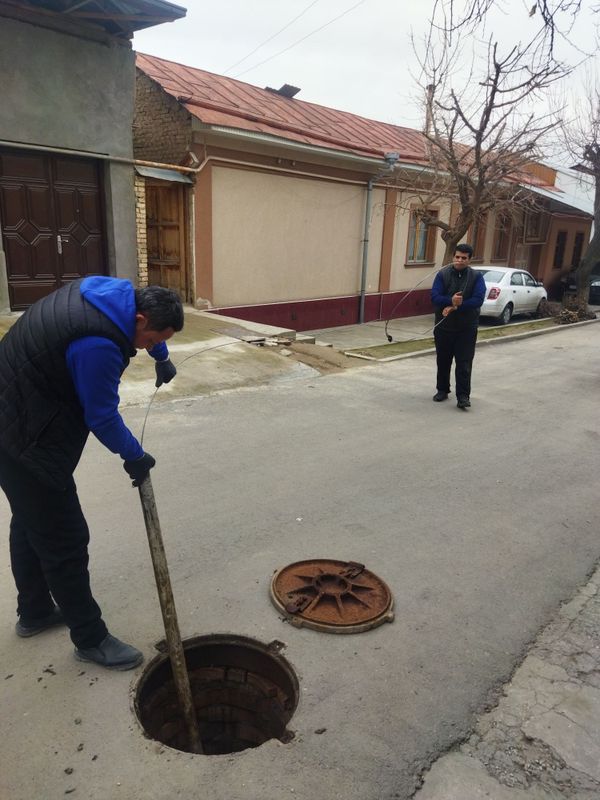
(506, 314)
(541, 310)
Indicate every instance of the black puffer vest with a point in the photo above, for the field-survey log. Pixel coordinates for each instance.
(41, 419)
(455, 281)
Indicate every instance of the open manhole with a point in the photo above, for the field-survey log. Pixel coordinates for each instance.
(244, 693)
(334, 596)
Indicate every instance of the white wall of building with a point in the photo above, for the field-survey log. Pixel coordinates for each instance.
(284, 238)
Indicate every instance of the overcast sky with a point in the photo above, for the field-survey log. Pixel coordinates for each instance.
(362, 62)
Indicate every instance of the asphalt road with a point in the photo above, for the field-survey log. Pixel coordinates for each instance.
(481, 522)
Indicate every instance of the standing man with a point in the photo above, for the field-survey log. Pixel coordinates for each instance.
(457, 293)
(60, 368)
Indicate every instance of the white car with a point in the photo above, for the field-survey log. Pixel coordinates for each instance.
(510, 291)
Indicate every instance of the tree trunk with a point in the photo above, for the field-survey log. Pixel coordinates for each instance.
(452, 237)
(592, 253)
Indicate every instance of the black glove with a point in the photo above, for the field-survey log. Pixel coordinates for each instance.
(165, 372)
(139, 469)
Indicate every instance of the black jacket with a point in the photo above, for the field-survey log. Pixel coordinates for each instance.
(447, 282)
(41, 420)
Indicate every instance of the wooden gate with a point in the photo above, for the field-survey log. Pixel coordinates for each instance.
(165, 222)
(52, 222)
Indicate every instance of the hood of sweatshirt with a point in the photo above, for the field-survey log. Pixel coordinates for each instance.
(114, 297)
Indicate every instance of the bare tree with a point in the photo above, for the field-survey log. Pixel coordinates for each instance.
(557, 17)
(482, 127)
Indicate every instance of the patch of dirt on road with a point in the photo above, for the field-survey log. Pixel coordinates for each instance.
(324, 359)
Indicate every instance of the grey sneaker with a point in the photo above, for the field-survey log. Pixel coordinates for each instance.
(111, 653)
(35, 626)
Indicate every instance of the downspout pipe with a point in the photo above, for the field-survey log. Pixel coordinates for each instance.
(365, 250)
(391, 159)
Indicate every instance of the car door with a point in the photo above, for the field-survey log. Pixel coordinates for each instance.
(534, 292)
(518, 293)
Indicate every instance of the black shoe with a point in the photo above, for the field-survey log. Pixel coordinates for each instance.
(111, 653)
(35, 626)
(463, 402)
(439, 396)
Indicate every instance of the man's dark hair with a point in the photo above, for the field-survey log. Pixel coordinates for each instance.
(161, 306)
(464, 248)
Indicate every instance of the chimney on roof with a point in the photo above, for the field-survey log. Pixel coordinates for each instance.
(287, 90)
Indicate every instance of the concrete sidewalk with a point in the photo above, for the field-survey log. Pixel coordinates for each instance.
(215, 353)
(212, 354)
(371, 334)
(542, 740)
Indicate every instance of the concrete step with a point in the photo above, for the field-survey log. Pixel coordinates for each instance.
(305, 338)
(257, 328)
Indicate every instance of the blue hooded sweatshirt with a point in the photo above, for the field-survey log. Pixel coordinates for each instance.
(96, 364)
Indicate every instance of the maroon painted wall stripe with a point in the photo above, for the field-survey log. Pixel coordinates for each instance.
(331, 312)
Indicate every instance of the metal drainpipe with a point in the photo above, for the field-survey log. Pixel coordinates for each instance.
(365, 252)
(391, 160)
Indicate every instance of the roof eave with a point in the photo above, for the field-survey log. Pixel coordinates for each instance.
(569, 204)
(94, 24)
(292, 144)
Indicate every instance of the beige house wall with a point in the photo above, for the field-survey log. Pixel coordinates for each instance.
(403, 276)
(280, 238)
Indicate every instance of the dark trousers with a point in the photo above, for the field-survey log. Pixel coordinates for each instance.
(49, 553)
(460, 346)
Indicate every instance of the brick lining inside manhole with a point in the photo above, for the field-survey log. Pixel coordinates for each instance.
(244, 692)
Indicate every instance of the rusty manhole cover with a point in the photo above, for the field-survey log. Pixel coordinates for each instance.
(333, 596)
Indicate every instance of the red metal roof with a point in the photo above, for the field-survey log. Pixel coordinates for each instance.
(217, 100)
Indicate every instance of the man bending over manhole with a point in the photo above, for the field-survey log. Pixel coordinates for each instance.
(60, 368)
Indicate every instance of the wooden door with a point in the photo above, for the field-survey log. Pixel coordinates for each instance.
(52, 222)
(166, 229)
(79, 218)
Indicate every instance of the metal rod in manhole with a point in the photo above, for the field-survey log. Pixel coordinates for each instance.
(169, 614)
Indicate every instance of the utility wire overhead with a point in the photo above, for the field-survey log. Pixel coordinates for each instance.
(266, 41)
(312, 33)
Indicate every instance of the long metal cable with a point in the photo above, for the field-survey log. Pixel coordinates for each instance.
(402, 299)
(237, 341)
(183, 360)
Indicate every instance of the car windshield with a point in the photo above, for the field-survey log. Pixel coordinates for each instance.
(491, 275)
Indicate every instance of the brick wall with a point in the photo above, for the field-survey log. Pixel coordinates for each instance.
(141, 230)
(162, 129)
